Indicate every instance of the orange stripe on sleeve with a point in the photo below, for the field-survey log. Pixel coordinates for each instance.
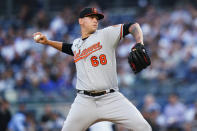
(121, 32)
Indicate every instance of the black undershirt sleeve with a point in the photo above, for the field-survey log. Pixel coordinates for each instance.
(66, 48)
(126, 29)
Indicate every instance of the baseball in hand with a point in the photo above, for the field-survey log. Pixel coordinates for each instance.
(36, 37)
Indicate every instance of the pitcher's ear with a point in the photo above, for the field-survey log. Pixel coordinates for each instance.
(80, 21)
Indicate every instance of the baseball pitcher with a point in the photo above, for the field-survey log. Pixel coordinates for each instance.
(98, 97)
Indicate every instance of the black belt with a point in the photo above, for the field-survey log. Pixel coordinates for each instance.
(95, 93)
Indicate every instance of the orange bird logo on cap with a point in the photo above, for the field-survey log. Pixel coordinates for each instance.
(94, 10)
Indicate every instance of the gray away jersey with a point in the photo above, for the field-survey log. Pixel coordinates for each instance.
(95, 59)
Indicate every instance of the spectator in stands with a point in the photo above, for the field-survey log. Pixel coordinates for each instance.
(22, 120)
(194, 123)
(5, 114)
(190, 112)
(150, 103)
(151, 111)
(46, 118)
(174, 113)
(57, 121)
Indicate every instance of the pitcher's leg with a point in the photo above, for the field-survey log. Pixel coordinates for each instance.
(133, 118)
(125, 113)
(81, 116)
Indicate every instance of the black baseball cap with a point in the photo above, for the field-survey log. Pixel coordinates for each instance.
(90, 11)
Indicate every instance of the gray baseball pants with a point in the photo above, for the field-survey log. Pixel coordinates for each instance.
(114, 107)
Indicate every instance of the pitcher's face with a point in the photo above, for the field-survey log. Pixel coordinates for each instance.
(89, 23)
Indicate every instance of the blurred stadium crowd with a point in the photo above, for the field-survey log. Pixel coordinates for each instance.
(165, 92)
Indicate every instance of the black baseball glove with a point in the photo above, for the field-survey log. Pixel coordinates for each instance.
(138, 58)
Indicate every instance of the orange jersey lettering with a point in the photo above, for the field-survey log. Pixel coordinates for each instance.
(86, 52)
